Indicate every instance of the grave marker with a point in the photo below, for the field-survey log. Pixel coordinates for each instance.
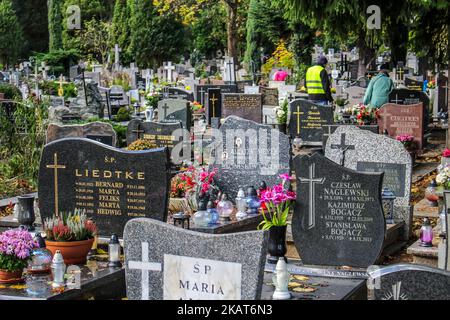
(170, 263)
(98, 131)
(111, 185)
(175, 110)
(247, 106)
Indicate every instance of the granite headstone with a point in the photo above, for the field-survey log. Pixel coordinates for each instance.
(408, 282)
(269, 96)
(247, 153)
(355, 95)
(338, 217)
(98, 131)
(413, 84)
(402, 119)
(247, 106)
(202, 89)
(307, 119)
(408, 97)
(214, 104)
(177, 93)
(328, 130)
(175, 110)
(164, 262)
(111, 185)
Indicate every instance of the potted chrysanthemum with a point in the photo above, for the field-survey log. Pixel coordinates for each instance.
(73, 234)
(16, 247)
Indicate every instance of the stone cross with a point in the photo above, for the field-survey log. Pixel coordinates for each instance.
(312, 181)
(202, 92)
(55, 166)
(44, 68)
(117, 51)
(165, 110)
(145, 266)
(169, 68)
(342, 148)
(138, 131)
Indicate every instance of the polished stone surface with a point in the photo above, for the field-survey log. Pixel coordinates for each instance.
(338, 217)
(175, 110)
(98, 131)
(149, 243)
(111, 185)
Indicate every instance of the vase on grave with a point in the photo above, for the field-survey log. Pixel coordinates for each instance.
(25, 212)
(282, 127)
(277, 243)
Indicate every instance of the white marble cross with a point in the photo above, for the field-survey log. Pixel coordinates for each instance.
(169, 68)
(145, 266)
(117, 51)
(44, 68)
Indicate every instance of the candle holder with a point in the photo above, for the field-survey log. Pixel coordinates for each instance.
(182, 220)
(114, 252)
(426, 234)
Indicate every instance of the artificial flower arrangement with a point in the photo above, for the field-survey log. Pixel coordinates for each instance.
(276, 203)
(70, 227)
(152, 98)
(366, 115)
(446, 153)
(282, 112)
(407, 140)
(443, 177)
(197, 108)
(16, 248)
(351, 110)
(431, 84)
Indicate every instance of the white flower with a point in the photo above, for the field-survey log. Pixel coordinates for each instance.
(441, 178)
(280, 113)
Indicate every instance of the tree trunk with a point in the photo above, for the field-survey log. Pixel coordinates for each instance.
(232, 7)
(366, 55)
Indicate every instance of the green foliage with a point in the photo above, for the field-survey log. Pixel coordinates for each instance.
(32, 17)
(120, 30)
(94, 40)
(59, 60)
(11, 37)
(51, 88)
(11, 92)
(123, 115)
(70, 227)
(276, 216)
(21, 143)
(154, 38)
(12, 263)
(55, 24)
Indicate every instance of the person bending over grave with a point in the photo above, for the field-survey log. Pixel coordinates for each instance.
(280, 75)
(318, 83)
(377, 94)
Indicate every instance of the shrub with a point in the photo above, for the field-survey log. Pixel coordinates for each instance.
(123, 115)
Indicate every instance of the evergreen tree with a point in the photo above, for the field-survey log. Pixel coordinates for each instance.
(55, 24)
(120, 30)
(32, 16)
(11, 37)
(154, 38)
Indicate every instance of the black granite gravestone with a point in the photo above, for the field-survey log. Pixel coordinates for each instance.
(338, 218)
(105, 139)
(214, 104)
(269, 96)
(408, 282)
(111, 185)
(247, 106)
(413, 84)
(248, 153)
(242, 84)
(202, 90)
(177, 93)
(307, 120)
(160, 135)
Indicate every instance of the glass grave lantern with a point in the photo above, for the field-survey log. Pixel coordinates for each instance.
(225, 208)
(431, 194)
(41, 258)
(58, 268)
(426, 234)
(241, 204)
(213, 213)
(202, 217)
(388, 201)
(114, 252)
(252, 200)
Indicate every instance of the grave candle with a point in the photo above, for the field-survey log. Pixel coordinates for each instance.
(114, 252)
(426, 234)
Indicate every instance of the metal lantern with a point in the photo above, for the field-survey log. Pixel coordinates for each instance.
(388, 200)
(181, 219)
(58, 270)
(114, 252)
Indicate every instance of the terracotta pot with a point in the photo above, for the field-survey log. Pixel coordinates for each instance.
(8, 276)
(74, 252)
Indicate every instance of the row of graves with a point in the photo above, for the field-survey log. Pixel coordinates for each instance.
(339, 224)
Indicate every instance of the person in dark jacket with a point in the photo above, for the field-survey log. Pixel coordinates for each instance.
(318, 83)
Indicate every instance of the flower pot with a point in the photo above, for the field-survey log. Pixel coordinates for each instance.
(11, 276)
(74, 252)
(277, 243)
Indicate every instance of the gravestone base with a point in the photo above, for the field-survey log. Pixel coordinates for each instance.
(405, 213)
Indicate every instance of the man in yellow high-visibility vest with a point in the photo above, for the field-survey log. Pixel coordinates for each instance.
(318, 83)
